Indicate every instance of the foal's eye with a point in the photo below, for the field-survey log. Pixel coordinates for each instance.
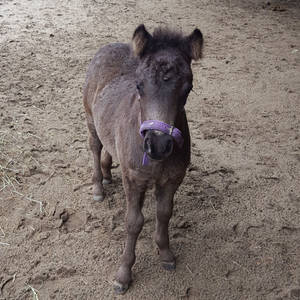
(139, 87)
(186, 92)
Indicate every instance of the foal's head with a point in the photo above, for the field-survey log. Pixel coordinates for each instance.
(164, 80)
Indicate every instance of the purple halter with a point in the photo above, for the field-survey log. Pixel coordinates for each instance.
(163, 127)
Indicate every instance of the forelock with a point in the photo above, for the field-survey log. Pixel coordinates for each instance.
(164, 38)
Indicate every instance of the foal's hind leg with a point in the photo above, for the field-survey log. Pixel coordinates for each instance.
(96, 147)
(106, 162)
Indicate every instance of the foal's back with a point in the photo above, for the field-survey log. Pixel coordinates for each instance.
(109, 63)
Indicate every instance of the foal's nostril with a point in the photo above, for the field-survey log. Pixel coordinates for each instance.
(169, 147)
(147, 146)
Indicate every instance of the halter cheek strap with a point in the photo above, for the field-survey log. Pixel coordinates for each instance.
(163, 127)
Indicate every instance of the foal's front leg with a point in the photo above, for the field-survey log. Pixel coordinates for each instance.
(135, 195)
(164, 208)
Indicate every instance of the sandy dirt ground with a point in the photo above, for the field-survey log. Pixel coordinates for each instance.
(236, 224)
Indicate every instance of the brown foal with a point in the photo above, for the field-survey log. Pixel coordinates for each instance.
(134, 99)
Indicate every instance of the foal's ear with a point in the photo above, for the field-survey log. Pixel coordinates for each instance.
(140, 39)
(195, 40)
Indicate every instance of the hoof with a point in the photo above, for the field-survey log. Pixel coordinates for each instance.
(120, 288)
(169, 266)
(106, 181)
(98, 198)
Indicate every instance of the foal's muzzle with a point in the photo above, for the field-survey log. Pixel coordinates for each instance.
(159, 139)
(158, 145)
